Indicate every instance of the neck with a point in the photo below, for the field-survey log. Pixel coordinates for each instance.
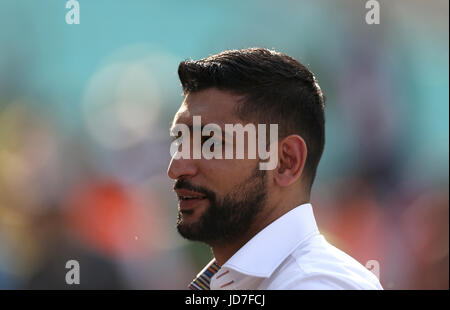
(223, 252)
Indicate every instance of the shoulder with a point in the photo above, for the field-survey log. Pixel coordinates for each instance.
(318, 265)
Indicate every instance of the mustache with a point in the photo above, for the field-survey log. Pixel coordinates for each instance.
(185, 184)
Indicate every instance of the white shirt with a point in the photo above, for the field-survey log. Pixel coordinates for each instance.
(291, 254)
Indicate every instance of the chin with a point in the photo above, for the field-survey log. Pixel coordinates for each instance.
(187, 231)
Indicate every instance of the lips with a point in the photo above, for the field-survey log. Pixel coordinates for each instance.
(189, 199)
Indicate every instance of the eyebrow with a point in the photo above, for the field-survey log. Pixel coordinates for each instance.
(191, 129)
(224, 136)
(191, 126)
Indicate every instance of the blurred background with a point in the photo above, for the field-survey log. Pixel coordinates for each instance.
(84, 134)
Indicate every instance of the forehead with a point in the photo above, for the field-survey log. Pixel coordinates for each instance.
(213, 105)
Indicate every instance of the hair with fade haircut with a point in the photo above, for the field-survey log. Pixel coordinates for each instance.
(276, 89)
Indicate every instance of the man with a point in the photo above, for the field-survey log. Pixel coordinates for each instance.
(259, 223)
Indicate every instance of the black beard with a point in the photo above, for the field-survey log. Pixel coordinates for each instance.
(228, 218)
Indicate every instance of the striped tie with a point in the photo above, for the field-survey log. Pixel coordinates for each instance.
(201, 282)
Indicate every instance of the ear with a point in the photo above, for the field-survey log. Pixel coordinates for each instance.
(292, 153)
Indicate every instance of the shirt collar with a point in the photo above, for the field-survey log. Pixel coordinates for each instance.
(260, 256)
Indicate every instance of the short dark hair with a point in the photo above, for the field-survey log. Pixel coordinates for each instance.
(276, 89)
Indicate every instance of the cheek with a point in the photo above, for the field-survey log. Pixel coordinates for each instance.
(221, 175)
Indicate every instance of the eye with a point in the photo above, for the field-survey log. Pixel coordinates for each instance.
(206, 138)
(214, 141)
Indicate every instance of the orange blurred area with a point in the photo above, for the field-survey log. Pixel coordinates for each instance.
(108, 217)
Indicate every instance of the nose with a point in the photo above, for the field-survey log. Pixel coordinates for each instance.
(181, 168)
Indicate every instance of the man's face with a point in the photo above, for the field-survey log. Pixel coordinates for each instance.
(218, 198)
